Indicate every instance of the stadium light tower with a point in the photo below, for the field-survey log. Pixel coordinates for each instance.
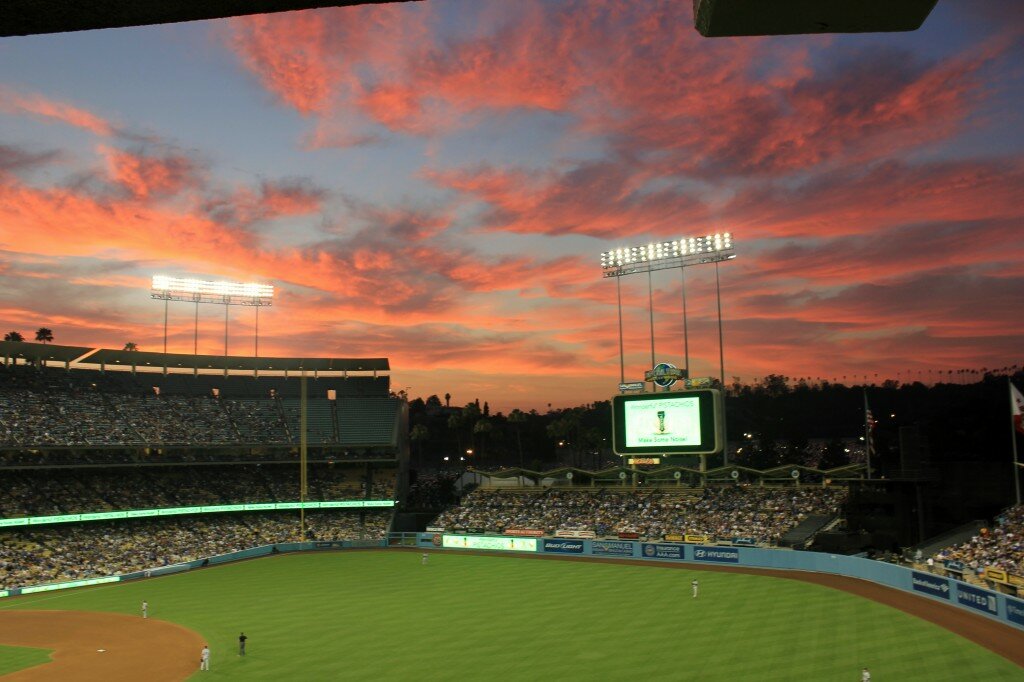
(222, 293)
(667, 255)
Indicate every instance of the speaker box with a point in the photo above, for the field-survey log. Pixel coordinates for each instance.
(720, 18)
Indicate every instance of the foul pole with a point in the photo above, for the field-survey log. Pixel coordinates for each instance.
(302, 457)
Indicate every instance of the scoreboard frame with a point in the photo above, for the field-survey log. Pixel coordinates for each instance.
(711, 407)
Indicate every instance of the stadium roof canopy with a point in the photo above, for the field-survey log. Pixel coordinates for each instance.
(27, 17)
(41, 351)
(95, 358)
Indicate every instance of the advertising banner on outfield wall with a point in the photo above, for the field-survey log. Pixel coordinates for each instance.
(930, 584)
(725, 555)
(982, 600)
(1015, 610)
(564, 546)
(611, 548)
(658, 551)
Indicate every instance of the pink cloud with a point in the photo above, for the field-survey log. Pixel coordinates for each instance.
(143, 175)
(39, 106)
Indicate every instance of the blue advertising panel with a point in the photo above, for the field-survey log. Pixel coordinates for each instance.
(982, 600)
(729, 555)
(611, 548)
(1015, 610)
(564, 546)
(930, 584)
(659, 551)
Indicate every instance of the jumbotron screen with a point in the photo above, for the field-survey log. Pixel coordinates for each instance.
(682, 423)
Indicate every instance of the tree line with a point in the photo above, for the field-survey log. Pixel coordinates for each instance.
(770, 422)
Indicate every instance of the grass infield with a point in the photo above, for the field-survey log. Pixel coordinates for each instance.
(380, 615)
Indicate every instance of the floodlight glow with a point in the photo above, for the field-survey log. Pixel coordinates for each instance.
(689, 246)
(178, 288)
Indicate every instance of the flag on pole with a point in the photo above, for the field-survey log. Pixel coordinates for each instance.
(1017, 408)
(869, 427)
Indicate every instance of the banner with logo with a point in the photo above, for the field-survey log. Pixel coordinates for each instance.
(1015, 610)
(982, 600)
(575, 534)
(997, 574)
(564, 546)
(746, 542)
(659, 551)
(611, 548)
(930, 584)
(436, 529)
(954, 566)
(697, 539)
(673, 537)
(629, 535)
(524, 532)
(728, 555)
(1015, 580)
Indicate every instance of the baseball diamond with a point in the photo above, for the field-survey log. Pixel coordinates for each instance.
(382, 615)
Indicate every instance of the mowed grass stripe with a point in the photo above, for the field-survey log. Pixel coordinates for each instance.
(383, 616)
(14, 658)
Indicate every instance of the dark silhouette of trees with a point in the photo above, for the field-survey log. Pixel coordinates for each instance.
(14, 336)
(44, 335)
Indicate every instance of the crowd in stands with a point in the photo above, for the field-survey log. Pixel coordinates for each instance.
(87, 409)
(80, 417)
(42, 492)
(764, 514)
(1001, 547)
(72, 552)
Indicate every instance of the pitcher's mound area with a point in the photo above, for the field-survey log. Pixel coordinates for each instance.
(101, 646)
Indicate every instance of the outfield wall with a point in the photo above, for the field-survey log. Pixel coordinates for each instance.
(995, 605)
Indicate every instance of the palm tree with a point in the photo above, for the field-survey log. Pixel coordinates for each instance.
(44, 335)
(419, 434)
(14, 336)
(518, 417)
(482, 427)
(130, 346)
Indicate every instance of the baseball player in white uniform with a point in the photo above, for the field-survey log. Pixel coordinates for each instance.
(865, 676)
(204, 658)
(695, 585)
(425, 555)
(145, 609)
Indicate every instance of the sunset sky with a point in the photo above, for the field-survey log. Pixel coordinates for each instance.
(433, 182)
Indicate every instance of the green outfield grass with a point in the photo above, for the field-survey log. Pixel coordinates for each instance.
(17, 657)
(381, 615)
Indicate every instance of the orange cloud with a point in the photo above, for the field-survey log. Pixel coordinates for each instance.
(144, 175)
(39, 106)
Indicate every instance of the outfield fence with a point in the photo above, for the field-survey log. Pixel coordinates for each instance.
(995, 605)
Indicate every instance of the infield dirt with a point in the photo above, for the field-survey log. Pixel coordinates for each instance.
(101, 646)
